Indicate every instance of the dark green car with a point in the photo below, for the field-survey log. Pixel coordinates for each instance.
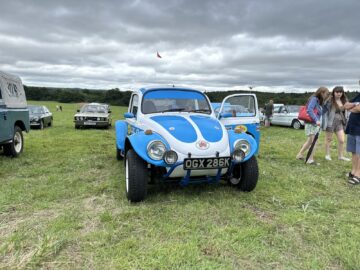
(14, 114)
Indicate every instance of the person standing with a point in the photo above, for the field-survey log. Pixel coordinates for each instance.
(269, 110)
(353, 139)
(314, 109)
(334, 121)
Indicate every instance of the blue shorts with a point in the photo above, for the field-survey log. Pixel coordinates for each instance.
(353, 144)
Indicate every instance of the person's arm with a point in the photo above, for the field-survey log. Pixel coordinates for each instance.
(310, 110)
(352, 106)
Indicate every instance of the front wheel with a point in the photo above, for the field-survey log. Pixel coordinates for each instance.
(245, 175)
(296, 124)
(15, 148)
(136, 177)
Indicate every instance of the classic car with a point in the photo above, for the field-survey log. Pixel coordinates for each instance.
(14, 114)
(172, 134)
(287, 115)
(40, 116)
(93, 115)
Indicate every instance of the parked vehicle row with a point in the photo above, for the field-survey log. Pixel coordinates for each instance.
(285, 115)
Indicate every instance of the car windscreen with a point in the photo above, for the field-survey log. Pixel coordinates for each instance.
(93, 109)
(240, 106)
(168, 100)
(35, 110)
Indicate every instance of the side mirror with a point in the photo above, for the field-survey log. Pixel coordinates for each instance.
(129, 115)
(225, 115)
(78, 110)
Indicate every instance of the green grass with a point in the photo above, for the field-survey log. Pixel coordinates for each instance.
(63, 206)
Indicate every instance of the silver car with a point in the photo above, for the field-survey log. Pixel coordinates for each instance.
(287, 115)
(93, 115)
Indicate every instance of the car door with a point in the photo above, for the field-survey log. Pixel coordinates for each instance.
(241, 111)
(5, 130)
(133, 108)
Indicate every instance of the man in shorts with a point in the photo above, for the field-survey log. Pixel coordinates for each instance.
(353, 139)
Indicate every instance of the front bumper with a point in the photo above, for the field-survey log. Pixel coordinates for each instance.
(88, 123)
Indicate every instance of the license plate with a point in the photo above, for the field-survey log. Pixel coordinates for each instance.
(206, 163)
(90, 123)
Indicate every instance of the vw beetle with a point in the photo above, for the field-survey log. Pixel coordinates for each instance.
(172, 134)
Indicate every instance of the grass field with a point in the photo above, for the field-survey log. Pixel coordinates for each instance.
(63, 206)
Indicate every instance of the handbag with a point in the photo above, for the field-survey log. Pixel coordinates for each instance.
(303, 115)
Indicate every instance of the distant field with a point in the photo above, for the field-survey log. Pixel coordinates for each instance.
(63, 206)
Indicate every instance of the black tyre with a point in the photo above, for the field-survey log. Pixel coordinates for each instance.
(77, 126)
(245, 175)
(136, 177)
(296, 124)
(16, 147)
(50, 123)
(118, 154)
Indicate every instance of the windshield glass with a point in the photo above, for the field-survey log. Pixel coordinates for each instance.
(293, 109)
(240, 106)
(91, 108)
(35, 110)
(168, 100)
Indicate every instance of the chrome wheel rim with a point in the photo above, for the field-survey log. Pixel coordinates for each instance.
(297, 125)
(17, 142)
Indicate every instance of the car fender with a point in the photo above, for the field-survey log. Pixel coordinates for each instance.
(139, 142)
(237, 136)
(121, 129)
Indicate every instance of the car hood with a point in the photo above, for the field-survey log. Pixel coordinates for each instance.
(92, 114)
(199, 134)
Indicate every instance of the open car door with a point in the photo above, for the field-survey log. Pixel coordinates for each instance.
(240, 111)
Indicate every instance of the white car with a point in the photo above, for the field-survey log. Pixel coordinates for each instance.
(287, 115)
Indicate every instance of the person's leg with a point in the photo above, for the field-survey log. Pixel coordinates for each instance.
(341, 140)
(305, 146)
(328, 140)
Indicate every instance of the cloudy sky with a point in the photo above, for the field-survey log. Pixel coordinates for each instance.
(282, 45)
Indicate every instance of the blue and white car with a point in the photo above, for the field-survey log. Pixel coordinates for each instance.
(172, 134)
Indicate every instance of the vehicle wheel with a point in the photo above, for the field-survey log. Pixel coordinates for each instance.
(136, 177)
(15, 148)
(50, 124)
(296, 124)
(245, 175)
(41, 124)
(118, 154)
(77, 126)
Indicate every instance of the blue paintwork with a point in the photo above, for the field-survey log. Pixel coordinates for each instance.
(139, 141)
(121, 129)
(129, 115)
(183, 130)
(175, 94)
(252, 129)
(236, 136)
(207, 127)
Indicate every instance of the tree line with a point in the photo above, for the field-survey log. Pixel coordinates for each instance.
(121, 98)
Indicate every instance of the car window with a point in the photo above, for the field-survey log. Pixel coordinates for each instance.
(92, 108)
(134, 105)
(35, 110)
(166, 100)
(240, 106)
(293, 108)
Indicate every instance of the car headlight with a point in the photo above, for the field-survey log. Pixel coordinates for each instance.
(156, 150)
(243, 145)
(238, 155)
(170, 157)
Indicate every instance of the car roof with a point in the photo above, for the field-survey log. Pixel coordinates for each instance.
(147, 89)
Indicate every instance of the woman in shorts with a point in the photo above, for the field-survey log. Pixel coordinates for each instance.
(314, 109)
(334, 121)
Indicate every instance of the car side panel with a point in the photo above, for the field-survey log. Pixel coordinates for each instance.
(237, 136)
(121, 130)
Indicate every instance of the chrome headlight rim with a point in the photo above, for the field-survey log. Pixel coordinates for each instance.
(243, 145)
(166, 157)
(238, 155)
(160, 146)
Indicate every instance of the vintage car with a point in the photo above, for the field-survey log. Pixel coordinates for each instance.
(287, 115)
(40, 116)
(172, 134)
(93, 115)
(14, 114)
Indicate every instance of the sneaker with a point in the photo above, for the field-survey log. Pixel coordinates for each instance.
(299, 157)
(312, 162)
(327, 157)
(344, 158)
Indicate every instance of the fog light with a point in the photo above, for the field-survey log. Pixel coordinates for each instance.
(156, 150)
(238, 155)
(170, 157)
